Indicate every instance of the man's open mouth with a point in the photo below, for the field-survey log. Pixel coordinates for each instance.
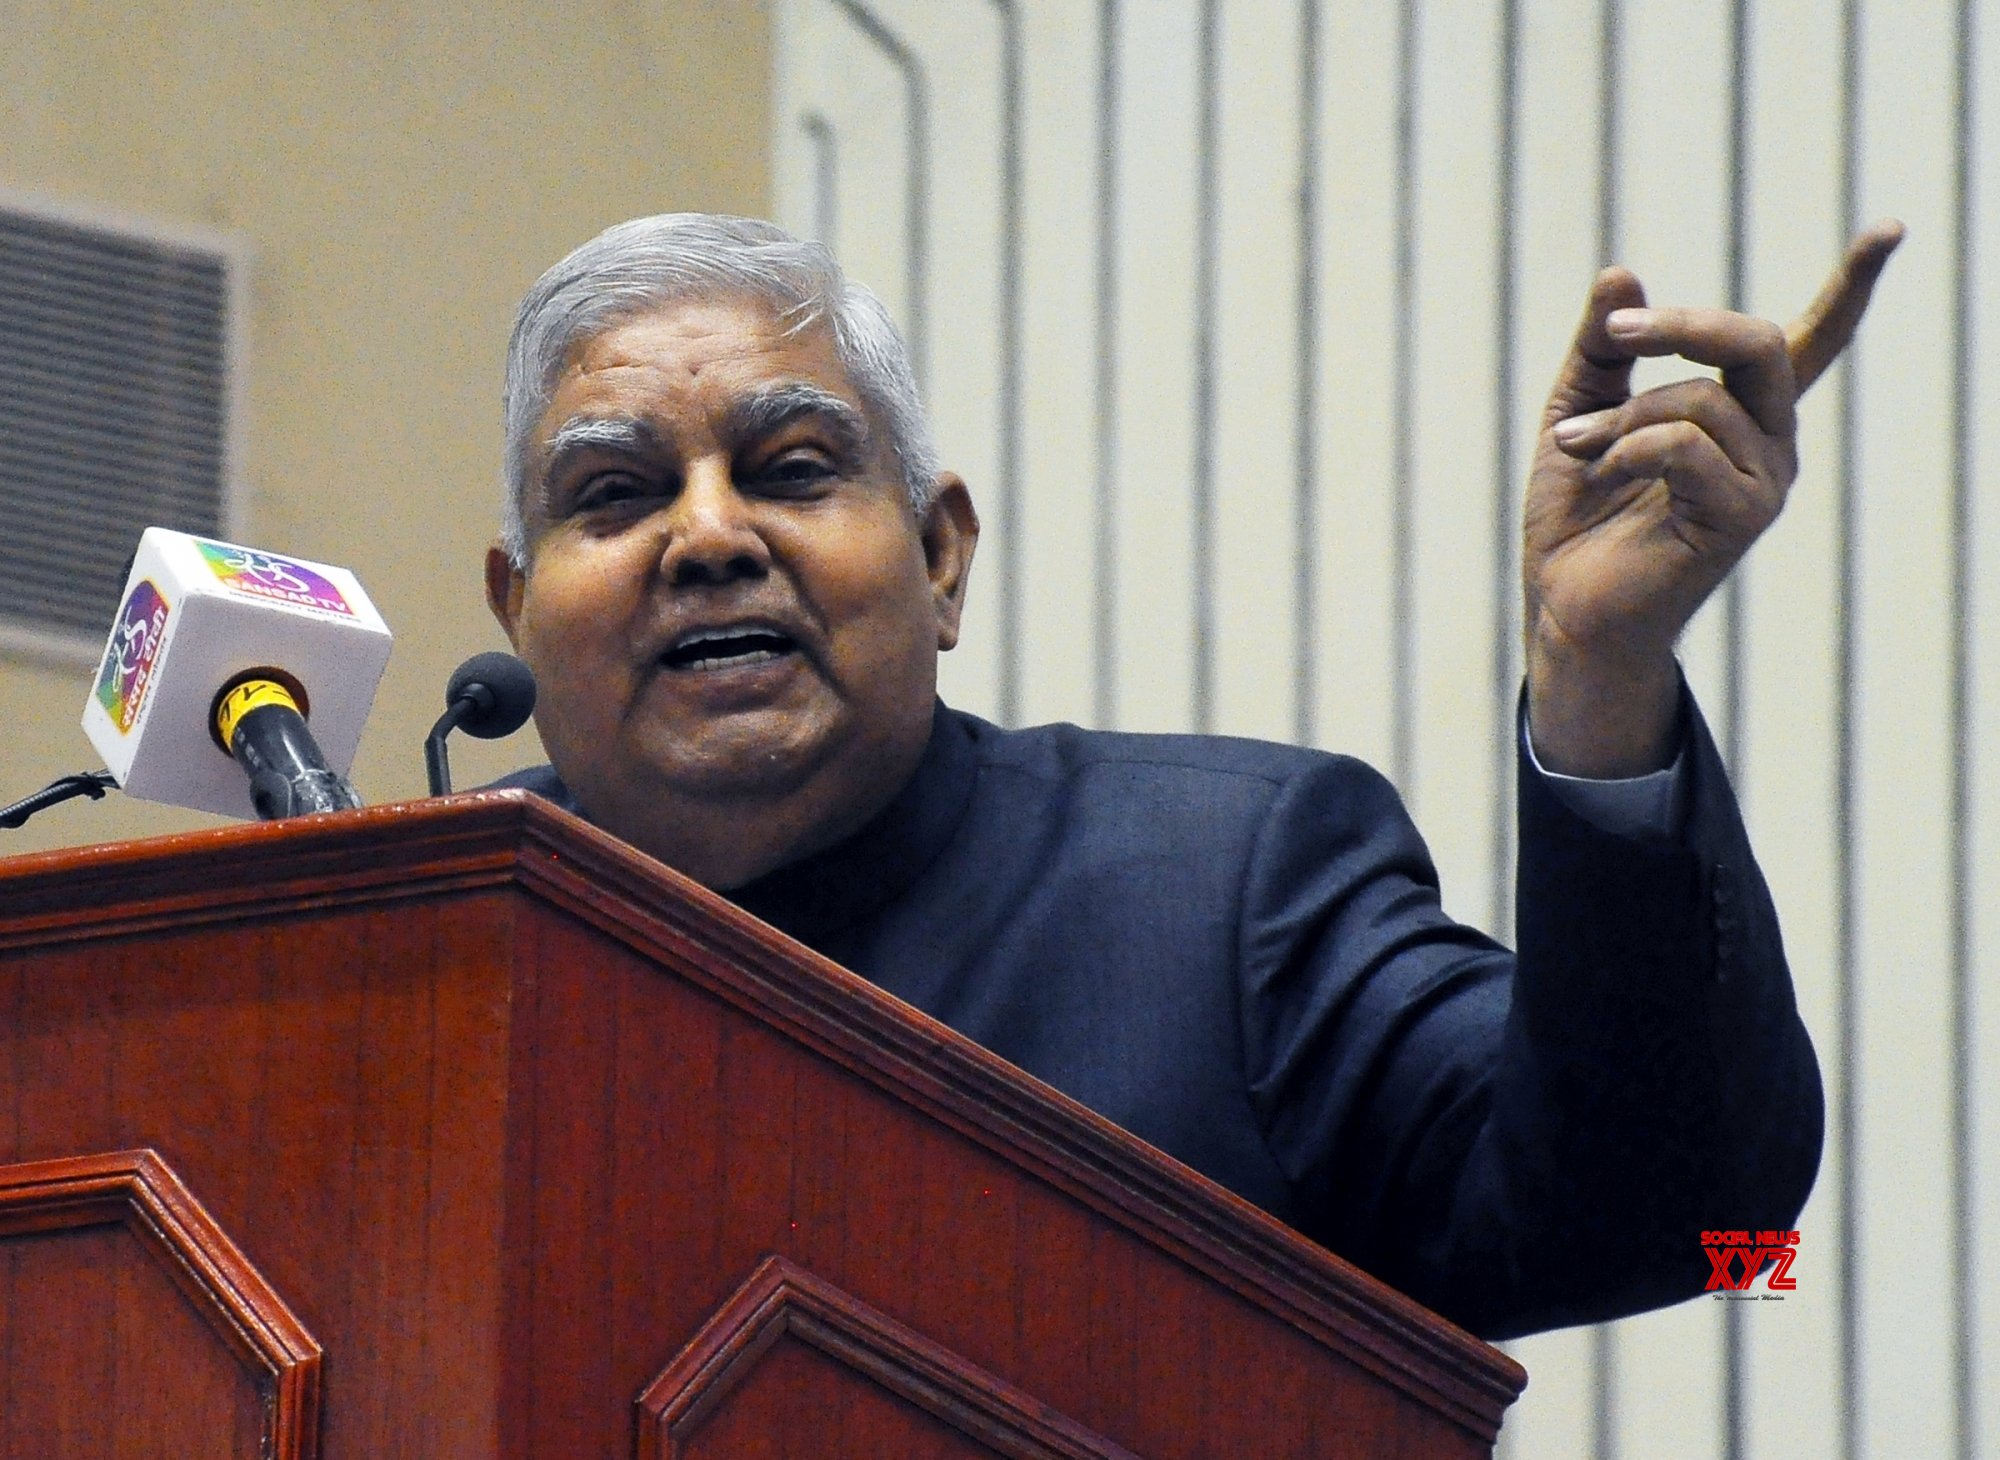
(727, 648)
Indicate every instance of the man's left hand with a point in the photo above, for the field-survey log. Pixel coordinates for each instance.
(1639, 506)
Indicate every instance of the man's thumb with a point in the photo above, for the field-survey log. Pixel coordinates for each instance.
(1597, 373)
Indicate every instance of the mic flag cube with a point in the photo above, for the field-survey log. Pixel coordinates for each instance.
(196, 614)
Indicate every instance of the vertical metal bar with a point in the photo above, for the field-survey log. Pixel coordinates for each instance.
(826, 177)
(1610, 129)
(1610, 147)
(1736, 287)
(1105, 535)
(1207, 228)
(1735, 253)
(1402, 521)
(1847, 1109)
(1963, 1250)
(1305, 524)
(1012, 490)
(1506, 490)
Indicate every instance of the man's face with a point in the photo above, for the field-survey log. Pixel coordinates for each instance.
(732, 615)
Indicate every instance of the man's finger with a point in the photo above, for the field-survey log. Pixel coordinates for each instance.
(1750, 352)
(1597, 372)
(1709, 490)
(1817, 337)
(1704, 402)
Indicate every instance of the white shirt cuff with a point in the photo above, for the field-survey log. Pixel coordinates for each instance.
(1647, 805)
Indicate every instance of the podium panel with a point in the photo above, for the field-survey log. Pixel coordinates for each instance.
(131, 1325)
(555, 1153)
(814, 1364)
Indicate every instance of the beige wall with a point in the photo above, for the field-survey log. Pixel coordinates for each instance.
(399, 173)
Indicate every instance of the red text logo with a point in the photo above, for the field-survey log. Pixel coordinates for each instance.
(1736, 1258)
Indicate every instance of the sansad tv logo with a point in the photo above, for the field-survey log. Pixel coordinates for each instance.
(1735, 1259)
(266, 575)
(128, 659)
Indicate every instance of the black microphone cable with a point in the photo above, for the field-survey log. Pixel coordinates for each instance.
(85, 783)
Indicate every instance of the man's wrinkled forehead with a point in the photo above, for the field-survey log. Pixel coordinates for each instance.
(698, 330)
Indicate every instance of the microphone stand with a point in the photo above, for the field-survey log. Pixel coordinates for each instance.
(437, 761)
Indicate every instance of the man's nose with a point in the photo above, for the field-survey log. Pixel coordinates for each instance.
(712, 534)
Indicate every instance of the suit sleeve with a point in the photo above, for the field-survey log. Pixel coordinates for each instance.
(1525, 1141)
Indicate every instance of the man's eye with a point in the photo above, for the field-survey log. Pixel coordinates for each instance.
(608, 489)
(795, 472)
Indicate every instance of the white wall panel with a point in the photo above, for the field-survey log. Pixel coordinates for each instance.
(1156, 253)
(1983, 836)
(1556, 1414)
(1058, 562)
(1358, 327)
(1555, 256)
(1256, 370)
(1450, 781)
(1361, 593)
(834, 70)
(1901, 699)
(960, 47)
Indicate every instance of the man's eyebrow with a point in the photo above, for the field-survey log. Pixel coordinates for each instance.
(626, 435)
(767, 410)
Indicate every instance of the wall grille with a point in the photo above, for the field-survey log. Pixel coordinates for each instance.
(113, 411)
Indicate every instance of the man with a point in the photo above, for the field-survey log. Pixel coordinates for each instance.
(731, 559)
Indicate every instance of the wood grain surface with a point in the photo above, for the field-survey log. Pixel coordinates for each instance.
(509, 1114)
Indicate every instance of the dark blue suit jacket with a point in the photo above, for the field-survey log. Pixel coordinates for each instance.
(1235, 950)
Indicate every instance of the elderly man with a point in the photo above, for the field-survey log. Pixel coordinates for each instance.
(731, 559)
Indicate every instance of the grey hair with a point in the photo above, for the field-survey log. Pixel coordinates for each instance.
(671, 258)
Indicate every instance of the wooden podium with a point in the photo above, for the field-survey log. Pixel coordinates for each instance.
(457, 1128)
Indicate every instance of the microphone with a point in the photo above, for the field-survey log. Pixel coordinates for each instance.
(218, 659)
(260, 720)
(489, 696)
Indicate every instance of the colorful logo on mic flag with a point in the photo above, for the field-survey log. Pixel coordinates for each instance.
(130, 657)
(268, 576)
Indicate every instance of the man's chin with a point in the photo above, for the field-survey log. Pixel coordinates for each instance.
(756, 754)
(723, 818)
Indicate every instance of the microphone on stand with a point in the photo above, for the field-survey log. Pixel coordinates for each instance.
(489, 696)
(260, 719)
(235, 680)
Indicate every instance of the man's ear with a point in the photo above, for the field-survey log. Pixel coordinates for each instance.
(950, 532)
(504, 586)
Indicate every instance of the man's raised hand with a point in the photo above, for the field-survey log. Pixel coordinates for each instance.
(1638, 506)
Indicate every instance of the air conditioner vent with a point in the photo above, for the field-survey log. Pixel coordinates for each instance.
(113, 396)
